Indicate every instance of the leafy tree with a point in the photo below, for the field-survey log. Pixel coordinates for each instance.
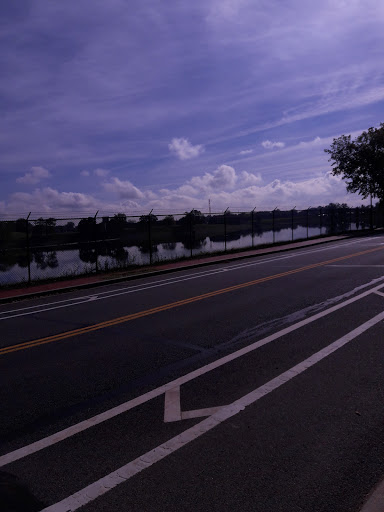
(50, 225)
(144, 219)
(87, 228)
(194, 215)
(360, 162)
(169, 220)
(117, 224)
(21, 225)
(69, 227)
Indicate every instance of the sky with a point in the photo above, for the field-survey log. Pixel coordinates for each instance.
(127, 106)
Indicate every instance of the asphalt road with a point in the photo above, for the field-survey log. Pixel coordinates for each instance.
(246, 386)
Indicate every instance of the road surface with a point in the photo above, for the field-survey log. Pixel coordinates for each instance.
(255, 385)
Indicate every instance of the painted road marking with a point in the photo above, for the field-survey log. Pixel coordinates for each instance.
(173, 412)
(121, 475)
(126, 406)
(172, 409)
(379, 293)
(364, 266)
(172, 305)
(41, 308)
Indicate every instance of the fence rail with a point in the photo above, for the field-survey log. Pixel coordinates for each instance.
(51, 248)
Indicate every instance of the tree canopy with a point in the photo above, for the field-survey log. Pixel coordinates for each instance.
(360, 162)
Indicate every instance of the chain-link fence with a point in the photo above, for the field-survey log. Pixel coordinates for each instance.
(49, 248)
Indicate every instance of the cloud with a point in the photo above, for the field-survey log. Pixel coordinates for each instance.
(247, 179)
(84, 173)
(51, 200)
(246, 152)
(222, 178)
(317, 141)
(267, 144)
(251, 191)
(225, 187)
(101, 173)
(184, 149)
(123, 189)
(34, 176)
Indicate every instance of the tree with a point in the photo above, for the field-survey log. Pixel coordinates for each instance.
(144, 219)
(194, 215)
(360, 162)
(169, 220)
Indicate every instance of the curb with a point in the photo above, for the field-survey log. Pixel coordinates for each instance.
(116, 280)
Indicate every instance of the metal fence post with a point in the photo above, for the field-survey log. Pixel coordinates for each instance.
(292, 220)
(150, 236)
(191, 231)
(371, 216)
(253, 227)
(225, 229)
(308, 221)
(28, 248)
(273, 224)
(95, 242)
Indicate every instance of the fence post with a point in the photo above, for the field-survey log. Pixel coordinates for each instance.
(371, 216)
(225, 229)
(308, 220)
(253, 228)
(273, 224)
(150, 236)
(321, 220)
(28, 248)
(292, 220)
(95, 242)
(191, 231)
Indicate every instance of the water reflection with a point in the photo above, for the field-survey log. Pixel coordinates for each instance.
(109, 254)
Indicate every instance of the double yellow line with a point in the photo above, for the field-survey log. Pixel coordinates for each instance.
(165, 307)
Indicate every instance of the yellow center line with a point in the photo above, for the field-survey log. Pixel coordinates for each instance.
(165, 307)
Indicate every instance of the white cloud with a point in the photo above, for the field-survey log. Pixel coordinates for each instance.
(315, 142)
(101, 173)
(222, 178)
(224, 186)
(247, 179)
(51, 200)
(246, 152)
(267, 144)
(250, 191)
(84, 173)
(184, 149)
(123, 189)
(34, 176)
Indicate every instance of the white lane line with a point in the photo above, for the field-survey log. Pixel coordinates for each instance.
(41, 308)
(379, 293)
(172, 410)
(121, 475)
(200, 413)
(368, 266)
(126, 406)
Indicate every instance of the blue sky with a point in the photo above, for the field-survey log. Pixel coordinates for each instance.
(128, 105)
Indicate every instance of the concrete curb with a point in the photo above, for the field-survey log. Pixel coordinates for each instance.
(106, 282)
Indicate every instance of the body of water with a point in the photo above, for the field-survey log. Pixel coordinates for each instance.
(51, 264)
